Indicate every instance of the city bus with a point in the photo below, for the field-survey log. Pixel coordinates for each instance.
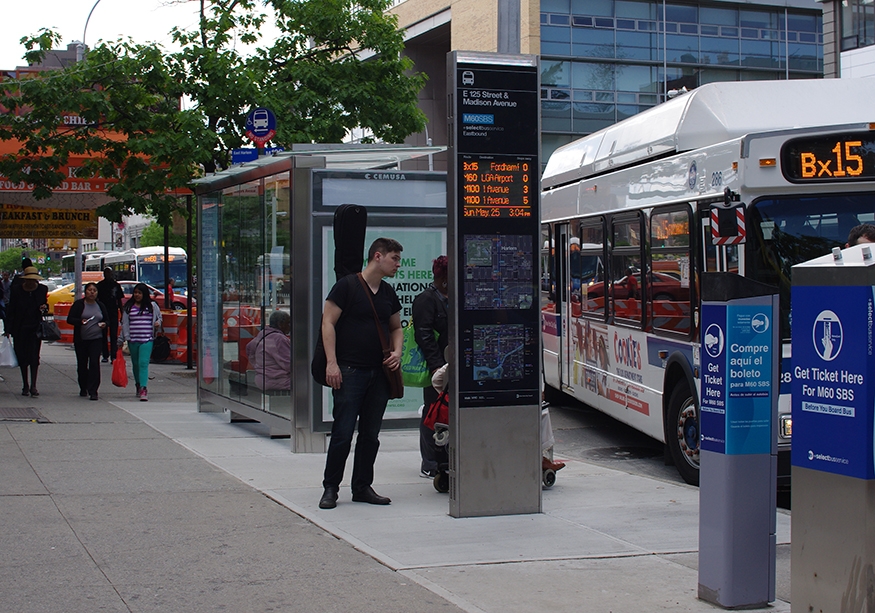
(68, 264)
(797, 157)
(146, 265)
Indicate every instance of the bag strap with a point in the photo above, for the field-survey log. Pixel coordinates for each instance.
(374, 309)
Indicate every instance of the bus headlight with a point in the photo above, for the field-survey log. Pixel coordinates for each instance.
(786, 426)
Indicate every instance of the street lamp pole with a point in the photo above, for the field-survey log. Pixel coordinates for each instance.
(77, 270)
(87, 19)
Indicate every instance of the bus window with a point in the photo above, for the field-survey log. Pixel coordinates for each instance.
(547, 281)
(668, 281)
(590, 267)
(626, 270)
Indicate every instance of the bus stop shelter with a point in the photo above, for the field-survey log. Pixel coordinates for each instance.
(266, 245)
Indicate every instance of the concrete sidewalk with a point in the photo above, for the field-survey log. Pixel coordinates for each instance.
(131, 506)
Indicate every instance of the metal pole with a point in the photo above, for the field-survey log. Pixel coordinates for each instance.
(664, 57)
(85, 29)
(168, 304)
(786, 44)
(189, 365)
(508, 26)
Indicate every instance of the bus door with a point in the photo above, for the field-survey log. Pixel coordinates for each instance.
(567, 310)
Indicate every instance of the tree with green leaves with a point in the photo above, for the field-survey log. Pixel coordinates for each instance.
(10, 259)
(335, 65)
(153, 236)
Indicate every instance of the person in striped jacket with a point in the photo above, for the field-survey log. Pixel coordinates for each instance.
(141, 320)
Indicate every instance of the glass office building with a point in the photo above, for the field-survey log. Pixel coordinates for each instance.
(605, 60)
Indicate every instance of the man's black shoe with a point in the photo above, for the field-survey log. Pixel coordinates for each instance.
(370, 496)
(329, 498)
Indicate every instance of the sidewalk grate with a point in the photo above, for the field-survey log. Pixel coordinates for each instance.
(22, 414)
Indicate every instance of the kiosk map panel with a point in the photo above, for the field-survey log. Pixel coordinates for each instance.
(498, 272)
(497, 217)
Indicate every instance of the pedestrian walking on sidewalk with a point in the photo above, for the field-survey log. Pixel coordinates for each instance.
(27, 304)
(88, 316)
(354, 353)
(141, 319)
(111, 295)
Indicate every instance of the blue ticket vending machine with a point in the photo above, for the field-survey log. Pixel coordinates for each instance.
(738, 451)
(833, 497)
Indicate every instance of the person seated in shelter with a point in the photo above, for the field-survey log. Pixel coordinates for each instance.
(270, 354)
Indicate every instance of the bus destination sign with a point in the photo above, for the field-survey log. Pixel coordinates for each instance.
(824, 159)
(496, 186)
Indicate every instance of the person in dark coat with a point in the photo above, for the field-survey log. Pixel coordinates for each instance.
(430, 329)
(110, 295)
(88, 317)
(27, 303)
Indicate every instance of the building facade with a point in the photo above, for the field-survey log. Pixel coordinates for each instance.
(605, 60)
(849, 41)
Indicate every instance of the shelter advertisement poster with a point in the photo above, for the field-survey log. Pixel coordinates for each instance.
(421, 247)
(22, 221)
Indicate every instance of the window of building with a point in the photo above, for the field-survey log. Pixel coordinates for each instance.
(589, 46)
(858, 24)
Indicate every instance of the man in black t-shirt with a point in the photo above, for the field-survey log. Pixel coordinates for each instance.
(355, 368)
(110, 294)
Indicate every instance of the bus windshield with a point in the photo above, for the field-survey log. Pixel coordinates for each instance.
(788, 230)
(152, 273)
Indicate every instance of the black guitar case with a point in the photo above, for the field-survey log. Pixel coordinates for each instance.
(350, 224)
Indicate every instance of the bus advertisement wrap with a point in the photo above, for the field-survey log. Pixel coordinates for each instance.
(832, 360)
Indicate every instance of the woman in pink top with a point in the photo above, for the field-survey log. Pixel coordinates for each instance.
(270, 354)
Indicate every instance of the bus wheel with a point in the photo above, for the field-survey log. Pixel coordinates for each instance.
(683, 433)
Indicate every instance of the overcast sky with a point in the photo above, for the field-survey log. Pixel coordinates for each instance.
(142, 20)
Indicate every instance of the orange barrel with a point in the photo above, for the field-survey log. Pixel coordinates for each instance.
(62, 309)
(180, 350)
(183, 337)
(170, 323)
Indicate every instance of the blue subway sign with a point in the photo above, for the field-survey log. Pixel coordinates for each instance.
(833, 364)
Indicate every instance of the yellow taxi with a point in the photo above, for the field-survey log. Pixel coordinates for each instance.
(62, 294)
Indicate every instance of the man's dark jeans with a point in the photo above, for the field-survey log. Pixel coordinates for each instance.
(362, 395)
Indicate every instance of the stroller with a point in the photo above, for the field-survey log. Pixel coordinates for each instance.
(437, 419)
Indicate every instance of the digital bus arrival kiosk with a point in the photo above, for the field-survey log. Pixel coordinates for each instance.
(494, 214)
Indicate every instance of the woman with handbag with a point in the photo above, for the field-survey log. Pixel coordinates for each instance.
(27, 303)
(141, 319)
(89, 319)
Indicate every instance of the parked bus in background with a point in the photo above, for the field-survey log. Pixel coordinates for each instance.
(638, 197)
(147, 265)
(94, 261)
(68, 264)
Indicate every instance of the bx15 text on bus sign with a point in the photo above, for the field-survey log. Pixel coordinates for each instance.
(837, 157)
